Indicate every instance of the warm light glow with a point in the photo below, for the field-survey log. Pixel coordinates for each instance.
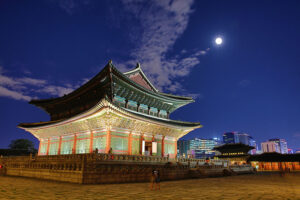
(219, 41)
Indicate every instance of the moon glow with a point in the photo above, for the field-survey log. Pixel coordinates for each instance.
(219, 41)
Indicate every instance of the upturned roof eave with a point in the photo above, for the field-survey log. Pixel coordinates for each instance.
(110, 104)
(40, 102)
(87, 84)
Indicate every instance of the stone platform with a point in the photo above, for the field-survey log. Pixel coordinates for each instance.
(105, 168)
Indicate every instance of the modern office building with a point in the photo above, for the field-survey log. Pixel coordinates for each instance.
(269, 146)
(243, 138)
(239, 137)
(290, 151)
(183, 147)
(230, 138)
(198, 148)
(282, 145)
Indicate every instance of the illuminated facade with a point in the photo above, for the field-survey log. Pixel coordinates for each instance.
(270, 146)
(119, 111)
(282, 145)
(198, 148)
(275, 162)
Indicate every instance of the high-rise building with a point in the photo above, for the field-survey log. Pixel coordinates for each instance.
(290, 151)
(239, 137)
(282, 145)
(183, 147)
(197, 148)
(269, 147)
(230, 138)
(252, 143)
(243, 138)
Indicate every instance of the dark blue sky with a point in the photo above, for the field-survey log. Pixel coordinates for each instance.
(250, 83)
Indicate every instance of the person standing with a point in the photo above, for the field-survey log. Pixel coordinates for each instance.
(152, 179)
(157, 179)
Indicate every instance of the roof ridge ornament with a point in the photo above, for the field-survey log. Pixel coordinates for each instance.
(110, 62)
(138, 65)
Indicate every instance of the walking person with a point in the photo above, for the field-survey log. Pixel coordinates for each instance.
(157, 179)
(152, 179)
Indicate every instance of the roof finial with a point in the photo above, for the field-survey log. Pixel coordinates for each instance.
(110, 62)
(138, 65)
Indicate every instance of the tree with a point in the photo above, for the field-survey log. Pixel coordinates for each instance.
(22, 144)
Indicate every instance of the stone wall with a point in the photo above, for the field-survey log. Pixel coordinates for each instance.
(102, 168)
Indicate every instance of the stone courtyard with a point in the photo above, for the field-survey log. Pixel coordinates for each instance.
(258, 186)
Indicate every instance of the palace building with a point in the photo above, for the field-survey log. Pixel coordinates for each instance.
(119, 111)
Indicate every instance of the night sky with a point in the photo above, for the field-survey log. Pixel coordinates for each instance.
(250, 83)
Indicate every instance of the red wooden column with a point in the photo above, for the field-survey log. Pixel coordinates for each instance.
(163, 146)
(59, 145)
(108, 140)
(175, 155)
(91, 142)
(130, 143)
(141, 144)
(39, 152)
(74, 144)
(48, 146)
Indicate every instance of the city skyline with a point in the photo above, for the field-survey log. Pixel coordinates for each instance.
(249, 83)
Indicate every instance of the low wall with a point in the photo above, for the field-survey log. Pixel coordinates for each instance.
(104, 168)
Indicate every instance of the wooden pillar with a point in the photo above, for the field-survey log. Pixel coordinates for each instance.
(108, 140)
(141, 144)
(175, 149)
(130, 143)
(168, 115)
(158, 111)
(138, 107)
(48, 146)
(74, 144)
(126, 103)
(149, 110)
(163, 146)
(91, 141)
(59, 145)
(39, 152)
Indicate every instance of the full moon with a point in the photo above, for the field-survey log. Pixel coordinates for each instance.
(219, 41)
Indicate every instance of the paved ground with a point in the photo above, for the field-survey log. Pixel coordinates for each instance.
(235, 187)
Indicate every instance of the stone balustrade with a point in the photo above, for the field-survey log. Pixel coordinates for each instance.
(103, 168)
